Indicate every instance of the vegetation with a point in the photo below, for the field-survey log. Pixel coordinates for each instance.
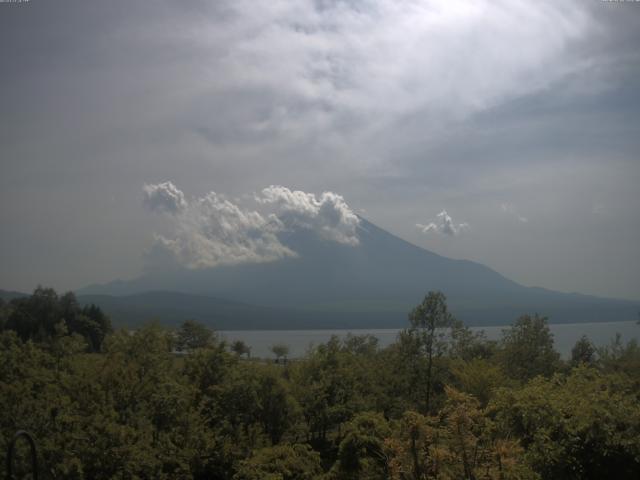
(45, 316)
(440, 403)
(240, 348)
(280, 350)
(192, 335)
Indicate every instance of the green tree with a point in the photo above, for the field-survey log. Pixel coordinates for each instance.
(404, 368)
(413, 448)
(585, 425)
(527, 349)
(240, 348)
(96, 326)
(38, 317)
(365, 345)
(472, 449)
(280, 350)
(620, 357)
(461, 442)
(4, 314)
(332, 384)
(35, 317)
(193, 335)
(281, 462)
(208, 368)
(431, 323)
(583, 352)
(479, 377)
(362, 453)
(277, 409)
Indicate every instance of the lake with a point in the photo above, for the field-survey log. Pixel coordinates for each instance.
(565, 336)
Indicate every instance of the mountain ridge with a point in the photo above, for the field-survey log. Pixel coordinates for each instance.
(373, 284)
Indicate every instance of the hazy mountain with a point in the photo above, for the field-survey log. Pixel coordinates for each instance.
(373, 284)
(8, 295)
(172, 308)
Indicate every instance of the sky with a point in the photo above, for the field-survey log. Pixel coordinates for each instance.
(504, 132)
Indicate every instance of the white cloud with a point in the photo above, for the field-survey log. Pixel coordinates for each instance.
(328, 214)
(212, 231)
(436, 58)
(444, 225)
(164, 197)
(512, 210)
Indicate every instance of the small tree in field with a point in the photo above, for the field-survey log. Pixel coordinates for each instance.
(240, 348)
(280, 350)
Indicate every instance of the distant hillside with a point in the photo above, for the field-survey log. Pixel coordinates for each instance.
(374, 284)
(171, 308)
(8, 295)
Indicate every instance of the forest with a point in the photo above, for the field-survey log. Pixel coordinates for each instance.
(439, 403)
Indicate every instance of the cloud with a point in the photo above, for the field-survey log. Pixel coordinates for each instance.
(444, 225)
(395, 105)
(328, 215)
(213, 231)
(164, 197)
(511, 210)
(342, 57)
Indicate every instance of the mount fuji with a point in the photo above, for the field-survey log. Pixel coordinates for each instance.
(332, 285)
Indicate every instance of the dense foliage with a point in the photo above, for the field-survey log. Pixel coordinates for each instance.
(44, 316)
(440, 402)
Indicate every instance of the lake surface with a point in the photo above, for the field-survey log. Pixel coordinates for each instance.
(299, 341)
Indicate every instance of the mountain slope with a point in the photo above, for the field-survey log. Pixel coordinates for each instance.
(171, 308)
(8, 295)
(380, 280)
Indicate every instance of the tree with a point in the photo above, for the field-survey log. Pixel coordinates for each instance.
(583, 352)
(64, 345)
(280, 350)
(35, 317)
(478, 377)
(429, 322)
(461, 442)
(277, 409)
(281, 462)
(361, 453)
(99, 326)
(527, 348)
(472, 448)
(412, 449)
(584, 425)
(4, 313)
(618, 357)
(193, 335)
(38, 317)
(241, 348)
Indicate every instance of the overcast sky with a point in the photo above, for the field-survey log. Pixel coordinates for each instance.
(504, 132)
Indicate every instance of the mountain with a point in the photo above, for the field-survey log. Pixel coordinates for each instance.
(330, 285)
(171, 308)
(8, 295)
